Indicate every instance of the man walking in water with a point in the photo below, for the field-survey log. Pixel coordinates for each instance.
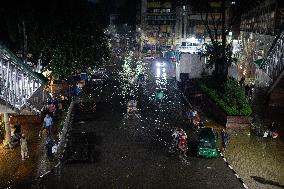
(47, 123)
(224, 137)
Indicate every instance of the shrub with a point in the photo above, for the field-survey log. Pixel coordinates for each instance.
(228, 95)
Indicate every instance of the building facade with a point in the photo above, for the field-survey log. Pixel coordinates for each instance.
(155, 25)
(258, 29)
(191, 25)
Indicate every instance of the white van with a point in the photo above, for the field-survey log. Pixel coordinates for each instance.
(189, 47)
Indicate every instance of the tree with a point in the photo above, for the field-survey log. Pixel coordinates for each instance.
(131, 69)
(218, 17)
(63, 34)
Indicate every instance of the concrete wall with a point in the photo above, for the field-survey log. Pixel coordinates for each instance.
(191, 64)
(277, 97)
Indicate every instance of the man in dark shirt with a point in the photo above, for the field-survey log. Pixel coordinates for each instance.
(18, 128)
(17, 132)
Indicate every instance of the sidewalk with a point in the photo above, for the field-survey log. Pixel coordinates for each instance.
(14, 172)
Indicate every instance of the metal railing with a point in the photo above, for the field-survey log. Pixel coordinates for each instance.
(272, 66)
(53, 175)
(17, 81)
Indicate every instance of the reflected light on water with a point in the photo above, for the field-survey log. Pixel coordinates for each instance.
(158, 72)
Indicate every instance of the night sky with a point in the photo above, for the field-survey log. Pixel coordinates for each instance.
(125, 8)
(118, 3)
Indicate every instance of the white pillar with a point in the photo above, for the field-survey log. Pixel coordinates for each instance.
(7, 75)
(33, 86)
(28, 86)
(23, 89)
(180, 26)
(7, 129)
(17, 86)
(185, 25)
(2, 74)
(12, 83)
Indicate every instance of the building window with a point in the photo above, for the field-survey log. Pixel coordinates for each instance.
(156, 10)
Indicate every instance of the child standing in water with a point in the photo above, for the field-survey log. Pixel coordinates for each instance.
(24, 147)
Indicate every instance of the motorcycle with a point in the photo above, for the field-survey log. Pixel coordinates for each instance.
(179, 143)
(182, 146)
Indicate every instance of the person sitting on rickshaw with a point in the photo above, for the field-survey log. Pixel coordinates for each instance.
(271, 131)
(131, 106)
(182, 145)
(176, 135)
(224, 138)
(141, 79)
(196, 120)
(17, 133)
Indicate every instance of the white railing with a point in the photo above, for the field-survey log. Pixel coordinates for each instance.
(274, 63)
(17, 82)
(272, 66)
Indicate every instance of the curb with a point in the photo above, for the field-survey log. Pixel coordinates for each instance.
(235, 173)
(62, 145)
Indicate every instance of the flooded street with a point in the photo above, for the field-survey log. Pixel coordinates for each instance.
(110, 148)
(258, 161)
(142, 94)
(133, 151)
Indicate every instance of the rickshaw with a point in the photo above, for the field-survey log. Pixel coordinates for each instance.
(132, 106)
(207, 144)
(159, 95)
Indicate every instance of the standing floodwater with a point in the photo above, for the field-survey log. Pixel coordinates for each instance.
(259, 161)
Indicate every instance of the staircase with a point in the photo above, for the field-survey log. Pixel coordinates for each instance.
(18, 83)
(272, 66)
(268, 100)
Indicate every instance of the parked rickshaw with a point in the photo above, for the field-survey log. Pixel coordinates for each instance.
(207, 144)
(132, 106)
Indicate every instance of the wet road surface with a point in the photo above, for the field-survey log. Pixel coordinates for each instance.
(134, 151)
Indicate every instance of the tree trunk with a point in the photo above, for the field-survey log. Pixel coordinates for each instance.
(224, 64)
(221, 69)
(223, 9)
(25, 42)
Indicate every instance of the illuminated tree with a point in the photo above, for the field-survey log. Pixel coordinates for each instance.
(218, 17)
(131, 69)
(63, 35)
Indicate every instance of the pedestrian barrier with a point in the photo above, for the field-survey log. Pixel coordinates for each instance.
(38, 182)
